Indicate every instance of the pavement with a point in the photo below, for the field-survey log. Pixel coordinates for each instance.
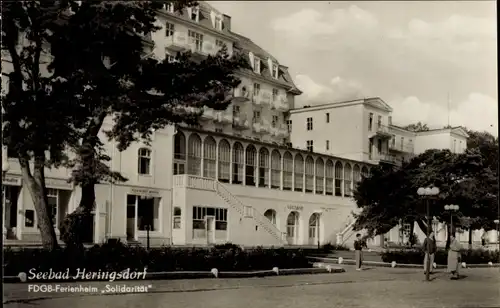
(372, 287)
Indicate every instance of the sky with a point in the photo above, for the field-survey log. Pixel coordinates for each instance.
(433, 62)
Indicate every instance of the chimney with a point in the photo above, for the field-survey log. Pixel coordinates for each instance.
(227, 22)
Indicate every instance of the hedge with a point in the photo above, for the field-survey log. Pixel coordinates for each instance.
(118, 257)
(416, 256)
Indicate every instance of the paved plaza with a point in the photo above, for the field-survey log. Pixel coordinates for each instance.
(374, 287)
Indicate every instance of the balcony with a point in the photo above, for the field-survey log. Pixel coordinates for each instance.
(382, 131)
(200, 48)
(208, 114)
(261, 127)
(279, 131)
(401, 147)
(177, 42)
(280, 103)
(261, 97)
(223, 117)
(240, 122)
(242, 94)
(385, 158)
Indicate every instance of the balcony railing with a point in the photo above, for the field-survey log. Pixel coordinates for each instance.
(261, 127)
(242, 93)
(384, 157)
(382, 130)
(280, 103)
(208, 114)
(203, 48)
(223, 117)
(401, 147)
(261, 97)
(240, 122)
(177, 42)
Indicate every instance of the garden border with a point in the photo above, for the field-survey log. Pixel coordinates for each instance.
(400, 265)
(205, 274)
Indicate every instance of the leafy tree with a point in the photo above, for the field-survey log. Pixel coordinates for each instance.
(77, 64)
(389, 195)
(417, 127)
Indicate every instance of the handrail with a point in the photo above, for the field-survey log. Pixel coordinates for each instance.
(259, 217)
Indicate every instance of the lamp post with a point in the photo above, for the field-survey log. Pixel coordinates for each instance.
(426, 193)
(496, 221)
(451, 208)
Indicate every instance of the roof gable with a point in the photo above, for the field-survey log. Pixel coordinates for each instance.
(460, 131)
(378, 103)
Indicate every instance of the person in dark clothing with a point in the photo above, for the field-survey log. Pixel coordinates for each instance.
(358, 251)
(430, 248)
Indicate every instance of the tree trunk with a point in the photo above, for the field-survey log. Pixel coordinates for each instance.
(411, 239)
(38, 192)
(470, 237)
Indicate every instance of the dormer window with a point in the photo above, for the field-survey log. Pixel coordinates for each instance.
(195, 14)
(169, 7)
(275, 71)
(256, 65)
(218, 23)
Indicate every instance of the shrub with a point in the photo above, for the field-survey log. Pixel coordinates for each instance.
(119, 256)
(228, 246)
(331, 247)
(416, 256)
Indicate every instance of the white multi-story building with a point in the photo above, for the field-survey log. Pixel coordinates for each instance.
(248, 176)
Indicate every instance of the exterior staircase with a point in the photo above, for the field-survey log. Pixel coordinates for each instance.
(249, 212)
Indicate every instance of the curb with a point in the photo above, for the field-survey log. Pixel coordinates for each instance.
(204, 274)
(400, 265)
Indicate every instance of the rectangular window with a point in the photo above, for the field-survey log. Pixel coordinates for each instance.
(144, 162)
(256, 89)
(169, 7)
(195, 14)
(219, 130)
(379, 122)
(328, 145)
(370, 122)
(196, 39)
(379, 146)
(170, 58)
(389, 120)
(275, 71)
(29, 218)
(310, 145)
(199, 214)
(169, 29)
(289, 125)
(402, 142)
(327, 117)
(275, 121)
(309, 123)
(275, 95)
(256, 116)
(256, 65)
(53, 202)
(148, 210)
(218, 23)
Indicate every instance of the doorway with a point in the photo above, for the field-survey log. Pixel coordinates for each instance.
(210, 225)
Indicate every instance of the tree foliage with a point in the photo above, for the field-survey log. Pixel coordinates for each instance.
(417, 127)
(76, 64)
(390, 195)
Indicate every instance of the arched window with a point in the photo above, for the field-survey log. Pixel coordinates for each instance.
(347, 180)
(339, 176)
(314, 228)
(356, 175)
(209, 157)
(287, 171)
(292, 226)
(329, 177)
(276, 169)
(179, 153)
(238, 162)
(177, 217)
(364, 171)
(224, 161)
(250, 164)
(320, 176)
(194, 155)
(298, 173)
(263, 167)
(271, 215)
(144, 161)
(309, 174)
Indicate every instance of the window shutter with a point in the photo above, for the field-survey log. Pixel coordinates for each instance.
(250, 55)
(212, 18)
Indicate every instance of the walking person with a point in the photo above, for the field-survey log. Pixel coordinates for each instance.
(454, 257)
(358, 251)
(430, 248)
